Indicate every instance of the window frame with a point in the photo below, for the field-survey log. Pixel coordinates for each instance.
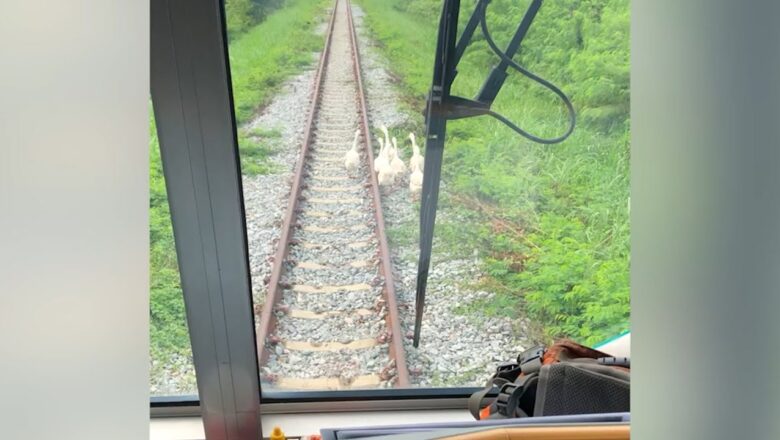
(193, 105)
(326, 401)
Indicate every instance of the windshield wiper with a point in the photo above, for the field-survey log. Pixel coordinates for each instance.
(441, 106)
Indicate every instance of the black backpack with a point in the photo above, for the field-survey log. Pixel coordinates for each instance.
(565, 379)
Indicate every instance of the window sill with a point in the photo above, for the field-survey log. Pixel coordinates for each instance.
(191, 428)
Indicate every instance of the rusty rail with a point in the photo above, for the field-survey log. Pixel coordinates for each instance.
(386, 267)
(267, 322)
(267, 318)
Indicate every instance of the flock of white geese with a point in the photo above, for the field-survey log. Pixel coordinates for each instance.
(389, 164)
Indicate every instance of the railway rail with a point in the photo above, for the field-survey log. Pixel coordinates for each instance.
(330, 319)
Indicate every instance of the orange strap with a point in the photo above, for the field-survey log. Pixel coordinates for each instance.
(484, 413)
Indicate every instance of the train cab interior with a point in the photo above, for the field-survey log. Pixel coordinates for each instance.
(316, 255)
(389, 219)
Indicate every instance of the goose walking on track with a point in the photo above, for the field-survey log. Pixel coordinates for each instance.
(396, 163)
(417, 159)
(381, 161)
(415, 181)
(352, 158)
(387, 134)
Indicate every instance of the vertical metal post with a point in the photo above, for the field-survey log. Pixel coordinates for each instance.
(190, 81)
(441, 106)
(443, 73)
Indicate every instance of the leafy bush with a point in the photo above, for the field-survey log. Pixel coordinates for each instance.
(243, 14)
(580, 43)
(570, 287)
(239, 15)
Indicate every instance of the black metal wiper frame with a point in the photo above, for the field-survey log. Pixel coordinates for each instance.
(441, 106)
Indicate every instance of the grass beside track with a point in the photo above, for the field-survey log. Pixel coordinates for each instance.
(552, 223)
(260, 60)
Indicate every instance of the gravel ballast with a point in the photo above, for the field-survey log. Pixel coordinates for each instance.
(324, 271)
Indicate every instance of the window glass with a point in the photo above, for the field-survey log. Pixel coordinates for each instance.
(531, 241)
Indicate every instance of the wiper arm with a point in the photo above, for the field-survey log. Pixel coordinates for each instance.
(441, 106)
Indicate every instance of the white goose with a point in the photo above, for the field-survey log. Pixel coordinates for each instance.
(396, 163)
(385, 175)
(415, 180)
(417, 159)
(381, 161)
(387, 134)
(352, 158)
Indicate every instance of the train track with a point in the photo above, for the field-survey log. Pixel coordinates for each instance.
(330, 319)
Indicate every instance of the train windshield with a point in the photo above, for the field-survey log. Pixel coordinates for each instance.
(531, 241)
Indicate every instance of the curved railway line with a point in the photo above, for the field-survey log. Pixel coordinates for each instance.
(331, 277)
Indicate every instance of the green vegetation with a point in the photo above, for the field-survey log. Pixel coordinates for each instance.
(260, 60)
(553, 219)
(243, 14)
(261, 57)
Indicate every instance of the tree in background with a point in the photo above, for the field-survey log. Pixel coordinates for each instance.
(243, 14)
(240, 15)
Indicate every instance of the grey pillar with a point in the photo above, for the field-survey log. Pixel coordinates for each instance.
(195, 123)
